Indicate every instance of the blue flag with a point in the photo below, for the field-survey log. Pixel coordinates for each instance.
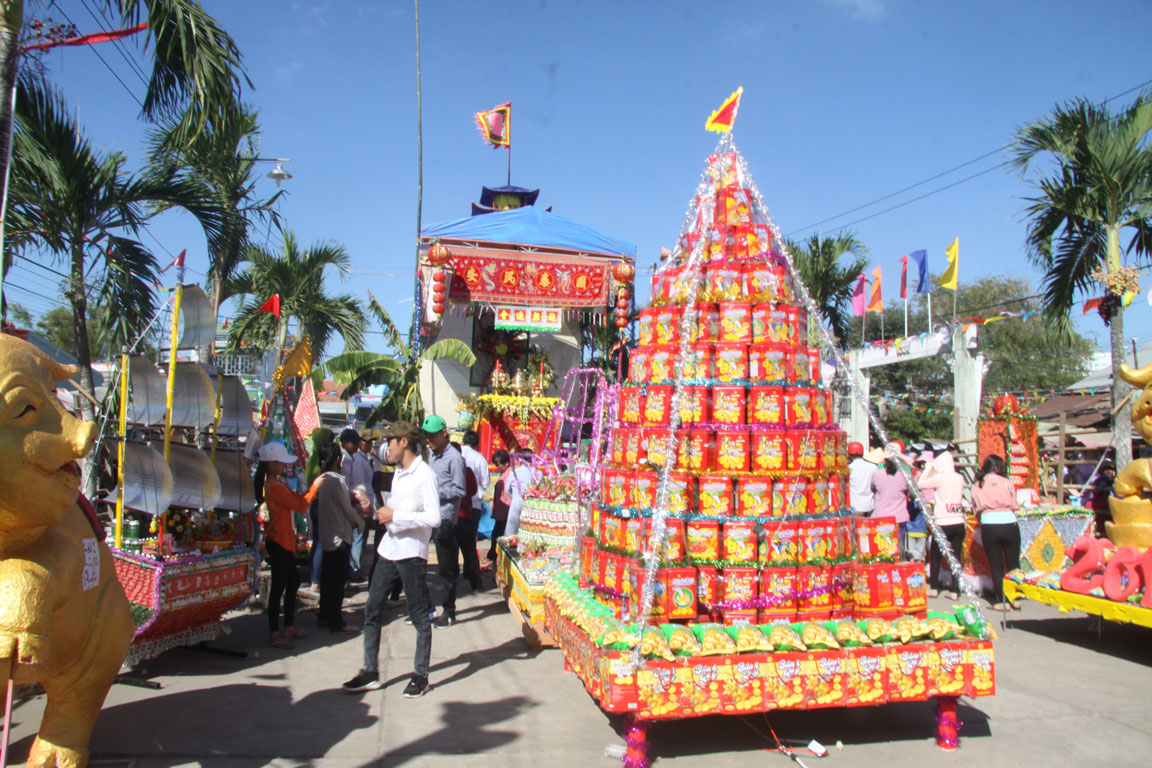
(921, 259)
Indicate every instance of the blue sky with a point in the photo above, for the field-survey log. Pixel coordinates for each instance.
(845, 102)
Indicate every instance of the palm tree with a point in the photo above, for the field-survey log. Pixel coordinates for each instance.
(1101, 184)
(84, 208)
(830, 282)
(298, 277)
(398, 370)
(196, 67)
(221, 159)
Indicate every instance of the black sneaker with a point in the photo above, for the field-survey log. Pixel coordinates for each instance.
(417, 687)
(364, 681)
(431, 617)
(444, 621)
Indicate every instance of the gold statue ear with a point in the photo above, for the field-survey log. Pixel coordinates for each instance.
(1137, 378)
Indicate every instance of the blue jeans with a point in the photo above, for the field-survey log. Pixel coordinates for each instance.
(411, 573)
(358, 538)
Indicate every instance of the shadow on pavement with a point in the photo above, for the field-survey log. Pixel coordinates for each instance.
(471, 662)
(465, 731)
(184, 727)
(1127, 642)
(908, 721)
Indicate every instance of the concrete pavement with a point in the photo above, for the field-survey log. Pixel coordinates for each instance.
(1063, 698)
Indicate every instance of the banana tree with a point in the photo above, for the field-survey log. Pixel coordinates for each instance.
(397, 370)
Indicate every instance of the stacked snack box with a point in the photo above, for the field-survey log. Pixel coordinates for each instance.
(762, 572)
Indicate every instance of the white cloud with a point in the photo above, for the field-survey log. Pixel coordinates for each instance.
(865, 10)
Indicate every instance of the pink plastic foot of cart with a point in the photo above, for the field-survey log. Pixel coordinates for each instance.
(947, 724)
(636, 741)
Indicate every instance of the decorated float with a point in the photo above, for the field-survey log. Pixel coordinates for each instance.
(183, 534)
(1108, 577)
(556, 507)
(722, 571)
(522, 287)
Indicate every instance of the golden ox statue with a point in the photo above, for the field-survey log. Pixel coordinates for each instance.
(64, 620)
(1130, 504)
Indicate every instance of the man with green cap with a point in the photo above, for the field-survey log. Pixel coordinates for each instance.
(448, 466)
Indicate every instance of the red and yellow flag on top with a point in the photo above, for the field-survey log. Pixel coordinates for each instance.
(722, 119)
(496, 125)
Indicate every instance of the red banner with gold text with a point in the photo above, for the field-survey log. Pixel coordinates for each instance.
(536, 279)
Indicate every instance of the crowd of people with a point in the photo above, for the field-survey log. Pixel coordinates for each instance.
(878, 488)
(421, 491)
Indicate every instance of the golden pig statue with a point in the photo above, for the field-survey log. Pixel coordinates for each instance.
(1131, 508)
(64, 620)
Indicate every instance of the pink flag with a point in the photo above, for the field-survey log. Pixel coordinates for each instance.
(859, 300)
(904, 277)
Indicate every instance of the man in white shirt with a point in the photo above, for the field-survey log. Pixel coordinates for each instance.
(411, 511)
(860, 469)
(357, 471)
(467, 524)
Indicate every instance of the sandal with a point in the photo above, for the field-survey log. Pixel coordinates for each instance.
(1016, 606)
(291, 633)
(281, 643)
(933, 592)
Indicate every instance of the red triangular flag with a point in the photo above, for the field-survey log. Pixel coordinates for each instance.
(721, 120)
(177, 262)
(272, 305)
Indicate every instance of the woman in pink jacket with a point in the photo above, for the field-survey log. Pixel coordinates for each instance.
(994, 499)
(948, 486)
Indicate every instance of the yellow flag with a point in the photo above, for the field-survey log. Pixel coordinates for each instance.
(298, 364)
(948, 279)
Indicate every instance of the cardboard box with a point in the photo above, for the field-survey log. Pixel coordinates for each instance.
(732, 451)
(769, 452)
(644, 485)
(703, 539)
(866, 676)
(826, 672)
(681, 492)
(716, 498)
(728, 403)
(631, 404)
(713, 684)
(908, 673)
(818, 580)
(875, 539)
(790, 497)
(798, 407)
(694, 450)
(753, 496)
(656, 444)
(736, 321)
(982, 668)
(665, 689)
(657, 408)
(731, 361)
(780, 546)
(617, 488)
(739, 541)
(740, 585)
(948, 674)
(666, 325)
(619, 682)
(788, 685)
(778, 590)
(750, 684)
(765, 403)
(804, 450)
(695, 405)
(662, 363)
(707, 586)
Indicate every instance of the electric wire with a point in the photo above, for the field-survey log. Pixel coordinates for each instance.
(105, 63)
(103, 21)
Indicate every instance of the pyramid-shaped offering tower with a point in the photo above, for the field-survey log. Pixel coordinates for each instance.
(722, 555)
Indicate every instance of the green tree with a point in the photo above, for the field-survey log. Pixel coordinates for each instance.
(58, 327)
(1019, 354)
(196, 67)
(397, 370)
(828, 277)
(20, 317)
(86, 210)
(298, 277)
(221, 161)
(1098, 186)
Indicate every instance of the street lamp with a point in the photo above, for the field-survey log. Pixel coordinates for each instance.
(277, 174)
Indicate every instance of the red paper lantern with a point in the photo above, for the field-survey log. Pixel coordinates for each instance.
(438, 307)
(438, 276)
(439, 289)
(624, 293)
(438, 253)
(623, 271)
(622, 304)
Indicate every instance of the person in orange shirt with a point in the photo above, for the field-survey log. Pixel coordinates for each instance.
(280, 539)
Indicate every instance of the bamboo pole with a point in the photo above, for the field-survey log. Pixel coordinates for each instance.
(175, 340)
(219, 407)
(119, 539)
(1060, 458)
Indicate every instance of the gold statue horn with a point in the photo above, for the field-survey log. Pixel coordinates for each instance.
(1137, 378)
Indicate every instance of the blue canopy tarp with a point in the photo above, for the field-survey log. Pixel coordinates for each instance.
(534, 227)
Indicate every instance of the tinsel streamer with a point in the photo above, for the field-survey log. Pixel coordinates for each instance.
(702, 206)
(636, 739)
(948, 724)
(874, 420)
